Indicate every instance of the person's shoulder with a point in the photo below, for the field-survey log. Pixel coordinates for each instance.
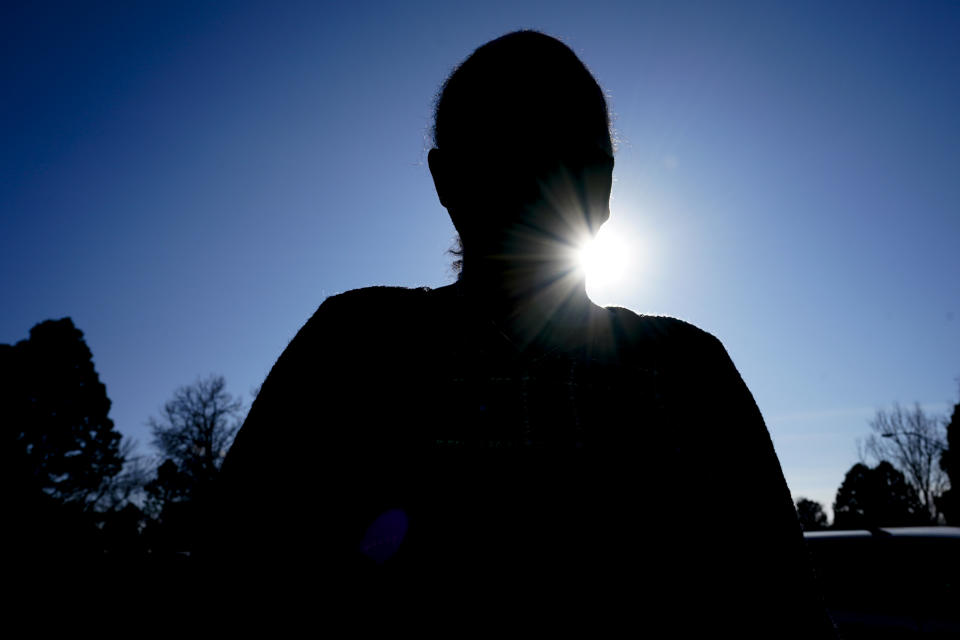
(373, 297)
(354, 320)
(666, 331)
(675, 345)
(367, 303)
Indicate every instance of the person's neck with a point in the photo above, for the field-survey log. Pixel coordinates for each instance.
(530, 303)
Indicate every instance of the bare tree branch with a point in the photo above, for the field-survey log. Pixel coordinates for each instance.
(197, 427)
(912, 441)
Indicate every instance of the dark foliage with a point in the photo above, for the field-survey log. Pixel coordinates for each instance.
(169, 486)
(64, 456)
(193, 434)
(811, 514)
(949, 502)
(121, 530)
(169, 503)
(877, 497)
(64, 445)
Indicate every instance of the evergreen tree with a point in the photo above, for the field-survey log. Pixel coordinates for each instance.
(811, 514)
(63, 443)
(878, 497)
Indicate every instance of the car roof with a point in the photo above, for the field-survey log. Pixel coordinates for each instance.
(896, 532)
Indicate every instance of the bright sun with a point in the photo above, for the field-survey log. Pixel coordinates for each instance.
(603, 259)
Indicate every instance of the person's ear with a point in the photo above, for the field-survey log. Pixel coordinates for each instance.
(442, 181)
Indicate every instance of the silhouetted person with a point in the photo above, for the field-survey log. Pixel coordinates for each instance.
(503, 440)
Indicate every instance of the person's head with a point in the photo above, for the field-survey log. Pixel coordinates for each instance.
(523, 157)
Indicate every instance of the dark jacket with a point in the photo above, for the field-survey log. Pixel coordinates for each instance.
(402, 439)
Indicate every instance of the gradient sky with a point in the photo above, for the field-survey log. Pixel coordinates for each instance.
(188, 181)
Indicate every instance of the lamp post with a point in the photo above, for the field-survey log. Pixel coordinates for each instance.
(891, 434)
(925, 490)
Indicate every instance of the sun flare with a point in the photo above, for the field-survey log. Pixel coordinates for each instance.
(603, 259)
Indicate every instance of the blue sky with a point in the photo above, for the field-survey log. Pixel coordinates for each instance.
(188, 181)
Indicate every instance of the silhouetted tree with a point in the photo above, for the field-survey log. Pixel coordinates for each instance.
(193, 434)
(196, 428)
(56, 409)
(878, 497)
(913, 442)
(168, 487)
(63, 455)
(949, 503)
(121, 530)
(169, 505)
(811, 514)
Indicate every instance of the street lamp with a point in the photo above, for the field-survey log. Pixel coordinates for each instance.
(891, 434)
